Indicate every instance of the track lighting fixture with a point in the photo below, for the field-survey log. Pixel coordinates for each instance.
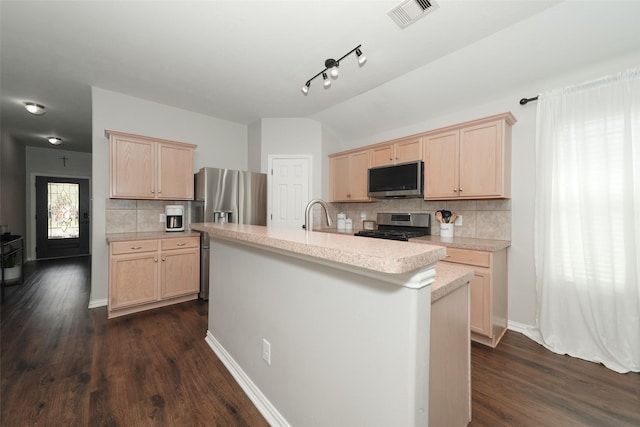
(35, 109)
(332, 65)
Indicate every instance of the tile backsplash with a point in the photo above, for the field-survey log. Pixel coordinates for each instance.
(482, 219)
(130, 216)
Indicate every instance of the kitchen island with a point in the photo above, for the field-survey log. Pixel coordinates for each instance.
(320, 328)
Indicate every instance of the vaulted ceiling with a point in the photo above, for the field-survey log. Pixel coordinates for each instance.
(245, 60)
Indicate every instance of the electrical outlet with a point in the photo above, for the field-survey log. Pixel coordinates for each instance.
(266, 351)
(458, 221)
(163, 217)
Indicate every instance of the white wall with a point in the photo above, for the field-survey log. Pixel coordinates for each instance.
(49, 162)
(330, 144)
(254, 139)
(220, 144)
(294, 136)
(12, 181)
(522, 287)
(346, 349)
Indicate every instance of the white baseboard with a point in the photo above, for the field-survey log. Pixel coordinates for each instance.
(268, 411)
(517, 327)
(98, 303)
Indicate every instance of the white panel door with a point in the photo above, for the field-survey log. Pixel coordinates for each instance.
(289, 190)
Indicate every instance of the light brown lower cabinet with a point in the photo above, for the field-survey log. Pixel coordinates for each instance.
(489, 293)
(450, 361)
(145, 274)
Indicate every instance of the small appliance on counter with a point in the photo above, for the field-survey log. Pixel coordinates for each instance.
(174, 218)
(400, 226)
(223, 216)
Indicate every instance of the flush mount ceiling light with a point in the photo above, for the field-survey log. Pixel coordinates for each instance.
(35, 109)
(331, 66)
(54, 140)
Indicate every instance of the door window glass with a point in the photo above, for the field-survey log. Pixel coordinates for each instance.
(63, 201)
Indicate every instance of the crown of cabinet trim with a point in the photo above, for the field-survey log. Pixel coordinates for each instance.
(108, 133)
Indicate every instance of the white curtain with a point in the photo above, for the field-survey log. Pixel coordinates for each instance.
(587, 221)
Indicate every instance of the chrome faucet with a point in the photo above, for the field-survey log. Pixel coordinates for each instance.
(307, 213)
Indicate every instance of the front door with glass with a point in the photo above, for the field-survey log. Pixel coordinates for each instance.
(62, 217)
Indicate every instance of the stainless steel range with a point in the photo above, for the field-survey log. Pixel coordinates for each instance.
(400, 226)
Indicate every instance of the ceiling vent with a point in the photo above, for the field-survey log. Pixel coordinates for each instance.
(409, 11)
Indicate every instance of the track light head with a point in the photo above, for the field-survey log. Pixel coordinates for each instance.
(332, 65)
(305, 88)
(327, 82)
(361, 58)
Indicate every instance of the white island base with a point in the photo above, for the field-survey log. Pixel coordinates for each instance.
(349, 345)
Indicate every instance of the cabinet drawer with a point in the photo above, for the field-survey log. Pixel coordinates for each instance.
(180, 243)
(467, 256)
(134, 246)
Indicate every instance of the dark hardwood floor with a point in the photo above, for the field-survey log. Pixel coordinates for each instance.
(520, 383)
(65, 365)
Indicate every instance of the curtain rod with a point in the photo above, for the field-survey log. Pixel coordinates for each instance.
(524, 101)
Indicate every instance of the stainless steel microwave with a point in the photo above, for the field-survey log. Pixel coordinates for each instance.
(395, 181)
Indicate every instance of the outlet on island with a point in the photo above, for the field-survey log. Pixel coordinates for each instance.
(163, 217)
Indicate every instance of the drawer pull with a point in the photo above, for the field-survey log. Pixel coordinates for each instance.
(181, 244)
(135, 248)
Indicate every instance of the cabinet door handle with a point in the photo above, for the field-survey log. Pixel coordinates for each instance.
(455, 190)
(155, 259)
(163, 259)
(460, 189)
(135, 248)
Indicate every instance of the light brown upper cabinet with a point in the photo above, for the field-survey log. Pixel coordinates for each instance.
(348, 177)
(469, 161)
(401, 151)
(149, 168)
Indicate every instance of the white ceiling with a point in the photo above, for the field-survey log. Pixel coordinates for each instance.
(245, 60)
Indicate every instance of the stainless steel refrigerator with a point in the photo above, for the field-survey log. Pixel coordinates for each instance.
(226, 195)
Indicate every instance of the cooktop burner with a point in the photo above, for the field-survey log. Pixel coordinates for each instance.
(399, 226)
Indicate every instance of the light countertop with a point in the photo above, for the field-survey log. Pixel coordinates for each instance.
(449, 277)
(489, 245)
(149, 235)
(380, 255)
(372, 251)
